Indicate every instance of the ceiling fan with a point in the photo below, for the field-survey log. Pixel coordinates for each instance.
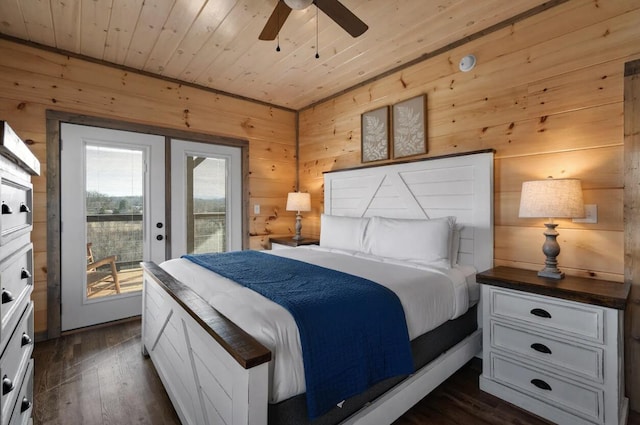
(332, 8)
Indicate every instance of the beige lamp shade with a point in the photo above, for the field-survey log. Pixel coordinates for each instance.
(298, 201)
(553, 198)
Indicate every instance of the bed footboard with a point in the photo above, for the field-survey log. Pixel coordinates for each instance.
(213, 371)
(216, 373)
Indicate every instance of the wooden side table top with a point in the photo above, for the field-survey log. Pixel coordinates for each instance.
(289, 241)
(590, 291)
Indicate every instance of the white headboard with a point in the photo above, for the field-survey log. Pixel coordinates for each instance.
(460, 186)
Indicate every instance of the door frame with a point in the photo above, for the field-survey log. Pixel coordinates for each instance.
(53, 120)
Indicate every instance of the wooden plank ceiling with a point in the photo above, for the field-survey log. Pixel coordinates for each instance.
(214, 43)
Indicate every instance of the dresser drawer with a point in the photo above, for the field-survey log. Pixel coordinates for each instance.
(14, 361)
(16, 278)
(570, 318)
(24, 403)
(581, 359)
(16, 218)
(580, 400)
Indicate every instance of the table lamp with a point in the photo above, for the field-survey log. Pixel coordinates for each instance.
(552, 198)
(298, 201)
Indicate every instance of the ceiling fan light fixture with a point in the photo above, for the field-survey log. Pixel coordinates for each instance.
(332, 8)
(298, 4)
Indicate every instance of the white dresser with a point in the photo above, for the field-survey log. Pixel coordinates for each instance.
(555, 347)
(17, 164)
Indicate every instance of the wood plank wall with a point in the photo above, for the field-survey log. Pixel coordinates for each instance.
(34, 80)
(632, 224)
(546, 94)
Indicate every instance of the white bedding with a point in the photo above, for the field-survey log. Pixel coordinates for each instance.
(429, 296)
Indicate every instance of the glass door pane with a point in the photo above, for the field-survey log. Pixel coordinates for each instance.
(206, 204)
(206, 198)
(114, 205)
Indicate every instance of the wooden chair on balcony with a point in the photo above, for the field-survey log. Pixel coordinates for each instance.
(95, 276)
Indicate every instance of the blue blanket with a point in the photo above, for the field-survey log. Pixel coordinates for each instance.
(353, 331)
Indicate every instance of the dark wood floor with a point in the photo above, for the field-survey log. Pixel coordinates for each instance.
(99, 377)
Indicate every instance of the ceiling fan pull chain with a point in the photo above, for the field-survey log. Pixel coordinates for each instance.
(317, 54)
(278, 35)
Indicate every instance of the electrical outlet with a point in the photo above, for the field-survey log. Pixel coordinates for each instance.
(256, 209)
(590, 215)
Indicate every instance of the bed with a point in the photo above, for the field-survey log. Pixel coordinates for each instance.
(217, 368)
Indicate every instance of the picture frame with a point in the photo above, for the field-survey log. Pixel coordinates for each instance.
(375, 135)
(410, 127)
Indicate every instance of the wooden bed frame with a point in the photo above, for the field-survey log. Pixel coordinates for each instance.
(215, 373)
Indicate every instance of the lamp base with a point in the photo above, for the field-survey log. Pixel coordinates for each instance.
(551, 274)
(551, 249)
(297, 236)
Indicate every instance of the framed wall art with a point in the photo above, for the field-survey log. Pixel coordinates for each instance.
(410, 127)
(375, 134)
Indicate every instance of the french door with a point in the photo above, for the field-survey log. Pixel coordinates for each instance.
(113, 214)
(206, 198)
(112, 217)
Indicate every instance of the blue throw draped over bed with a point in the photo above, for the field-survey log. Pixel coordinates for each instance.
(353, 331)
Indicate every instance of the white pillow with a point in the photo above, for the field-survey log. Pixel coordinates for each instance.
(341, 232)
(422, 241)
(456, 230)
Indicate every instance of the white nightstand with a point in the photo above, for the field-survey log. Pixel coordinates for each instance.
(555, 347)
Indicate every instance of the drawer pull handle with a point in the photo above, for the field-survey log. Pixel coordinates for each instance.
(25, 274)
(7, 296)
(7, 385)
(6, 209)
(24, 208)
(26, 405)
(26, 339)
(541, 348)
(541, 384)
(541, 313)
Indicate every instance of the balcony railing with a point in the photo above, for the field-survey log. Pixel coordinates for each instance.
(122, 235)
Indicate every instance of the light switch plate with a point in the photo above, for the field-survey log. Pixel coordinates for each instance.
(590, 215)
(256, 209)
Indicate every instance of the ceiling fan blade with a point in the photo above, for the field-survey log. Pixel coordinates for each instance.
(275, 22)
(342, 16)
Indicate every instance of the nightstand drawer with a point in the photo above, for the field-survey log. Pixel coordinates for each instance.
(583, 360)
(570, 318)
(580, 400)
